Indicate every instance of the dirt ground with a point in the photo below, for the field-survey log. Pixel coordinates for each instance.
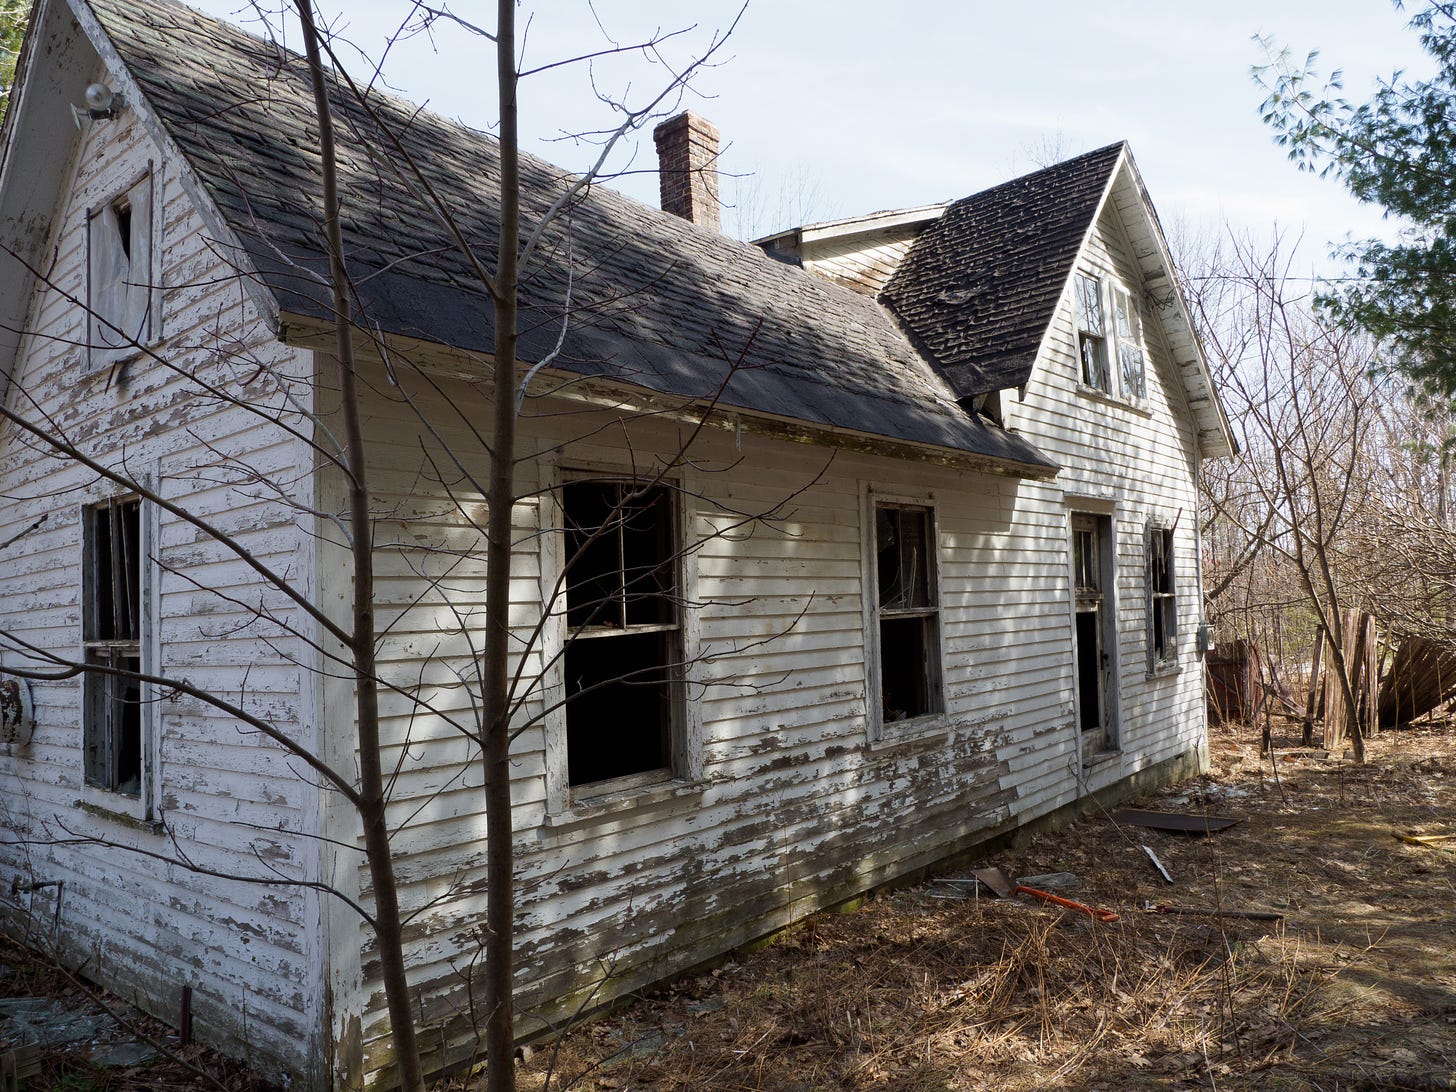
(918, 991)
(1354, 988)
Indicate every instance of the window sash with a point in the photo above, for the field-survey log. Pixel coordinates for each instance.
(623, 659)
(906, 604)
(114, 582)
(1162, 600)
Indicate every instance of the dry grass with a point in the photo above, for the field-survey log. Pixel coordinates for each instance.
(1355, 988)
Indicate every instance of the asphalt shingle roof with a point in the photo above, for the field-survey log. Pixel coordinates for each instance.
(653, 299)
(979, 288)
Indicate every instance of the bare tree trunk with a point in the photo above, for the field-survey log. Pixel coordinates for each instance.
(373, 801)
(500, 501)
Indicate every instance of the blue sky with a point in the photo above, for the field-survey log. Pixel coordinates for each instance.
(833, 109)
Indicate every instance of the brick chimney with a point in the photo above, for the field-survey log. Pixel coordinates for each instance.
(687, 165)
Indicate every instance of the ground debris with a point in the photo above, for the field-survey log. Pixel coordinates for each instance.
(923, 994)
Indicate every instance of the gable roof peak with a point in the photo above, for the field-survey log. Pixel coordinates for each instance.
(978, 289)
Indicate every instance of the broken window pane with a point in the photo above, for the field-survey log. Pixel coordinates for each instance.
(1129, 345)
(624, 646)
(112, 565)
(908, 631)
(1162, 599)
(1091, 333)
(119, 275)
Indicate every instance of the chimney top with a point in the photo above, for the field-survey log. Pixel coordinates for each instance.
(687, 163)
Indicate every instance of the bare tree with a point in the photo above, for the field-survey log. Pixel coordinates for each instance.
(1301, 400)
(323, 416)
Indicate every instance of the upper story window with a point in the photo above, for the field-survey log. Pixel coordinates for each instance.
(120, 274)
(1092, 334)
(907, 612)
(1100, 342)
(1127, 324)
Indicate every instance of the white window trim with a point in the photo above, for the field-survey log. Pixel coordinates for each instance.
(604, 799)
(1095, 507)
(145, 808)
(100, 353)
(1170, 663)
(877, 729)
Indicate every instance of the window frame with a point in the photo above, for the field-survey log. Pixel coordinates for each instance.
(1114, 334)
(932, 613)
(567, 802)
(101, 692)
(1129, 346)
(1098, 519)
(1160, 542)
(1091, 332)
(103, 344)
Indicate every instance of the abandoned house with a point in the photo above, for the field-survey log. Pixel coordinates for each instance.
(909, 556)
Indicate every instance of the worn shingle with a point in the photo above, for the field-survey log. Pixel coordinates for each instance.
(980, 286)
(653, 299)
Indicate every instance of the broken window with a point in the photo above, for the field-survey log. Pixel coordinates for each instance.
(622, 610)
(1162, 602)
(112, 629)
(119, 281)
(1127, 325)
(908, 613)
(1092, 334)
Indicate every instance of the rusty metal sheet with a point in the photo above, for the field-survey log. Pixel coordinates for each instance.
(1173, 821)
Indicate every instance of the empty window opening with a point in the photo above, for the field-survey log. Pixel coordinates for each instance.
(112, 629)
(1089, 674)
(624, 647)
(1092, 334)
(1162, 600)
(908, 614)
(1093, 634)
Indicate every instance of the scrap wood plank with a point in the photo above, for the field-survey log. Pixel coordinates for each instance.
(1173, 821)
(18, 1064)
(1434, 841)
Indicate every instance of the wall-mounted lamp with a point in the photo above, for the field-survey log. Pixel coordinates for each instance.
(101, 102)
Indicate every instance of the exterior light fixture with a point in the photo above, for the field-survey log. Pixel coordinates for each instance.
(101, 102)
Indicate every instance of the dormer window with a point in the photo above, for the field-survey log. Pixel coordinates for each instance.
(1092, 334)
(119, 272)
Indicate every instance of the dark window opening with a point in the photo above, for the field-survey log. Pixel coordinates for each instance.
(123, 226)
(622, 610)
(909, 651)
(619, 713)
(1089, 673)
(112, 628)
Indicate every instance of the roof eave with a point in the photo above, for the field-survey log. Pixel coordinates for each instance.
(311, 332)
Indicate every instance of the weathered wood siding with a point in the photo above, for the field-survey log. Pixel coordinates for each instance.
(785, 803)
(863, 261)
(229, 800)
(1136, 463)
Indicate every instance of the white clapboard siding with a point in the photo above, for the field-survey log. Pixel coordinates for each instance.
(230, 799)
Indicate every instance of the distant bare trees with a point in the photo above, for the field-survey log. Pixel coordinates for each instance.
(1339, 499)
